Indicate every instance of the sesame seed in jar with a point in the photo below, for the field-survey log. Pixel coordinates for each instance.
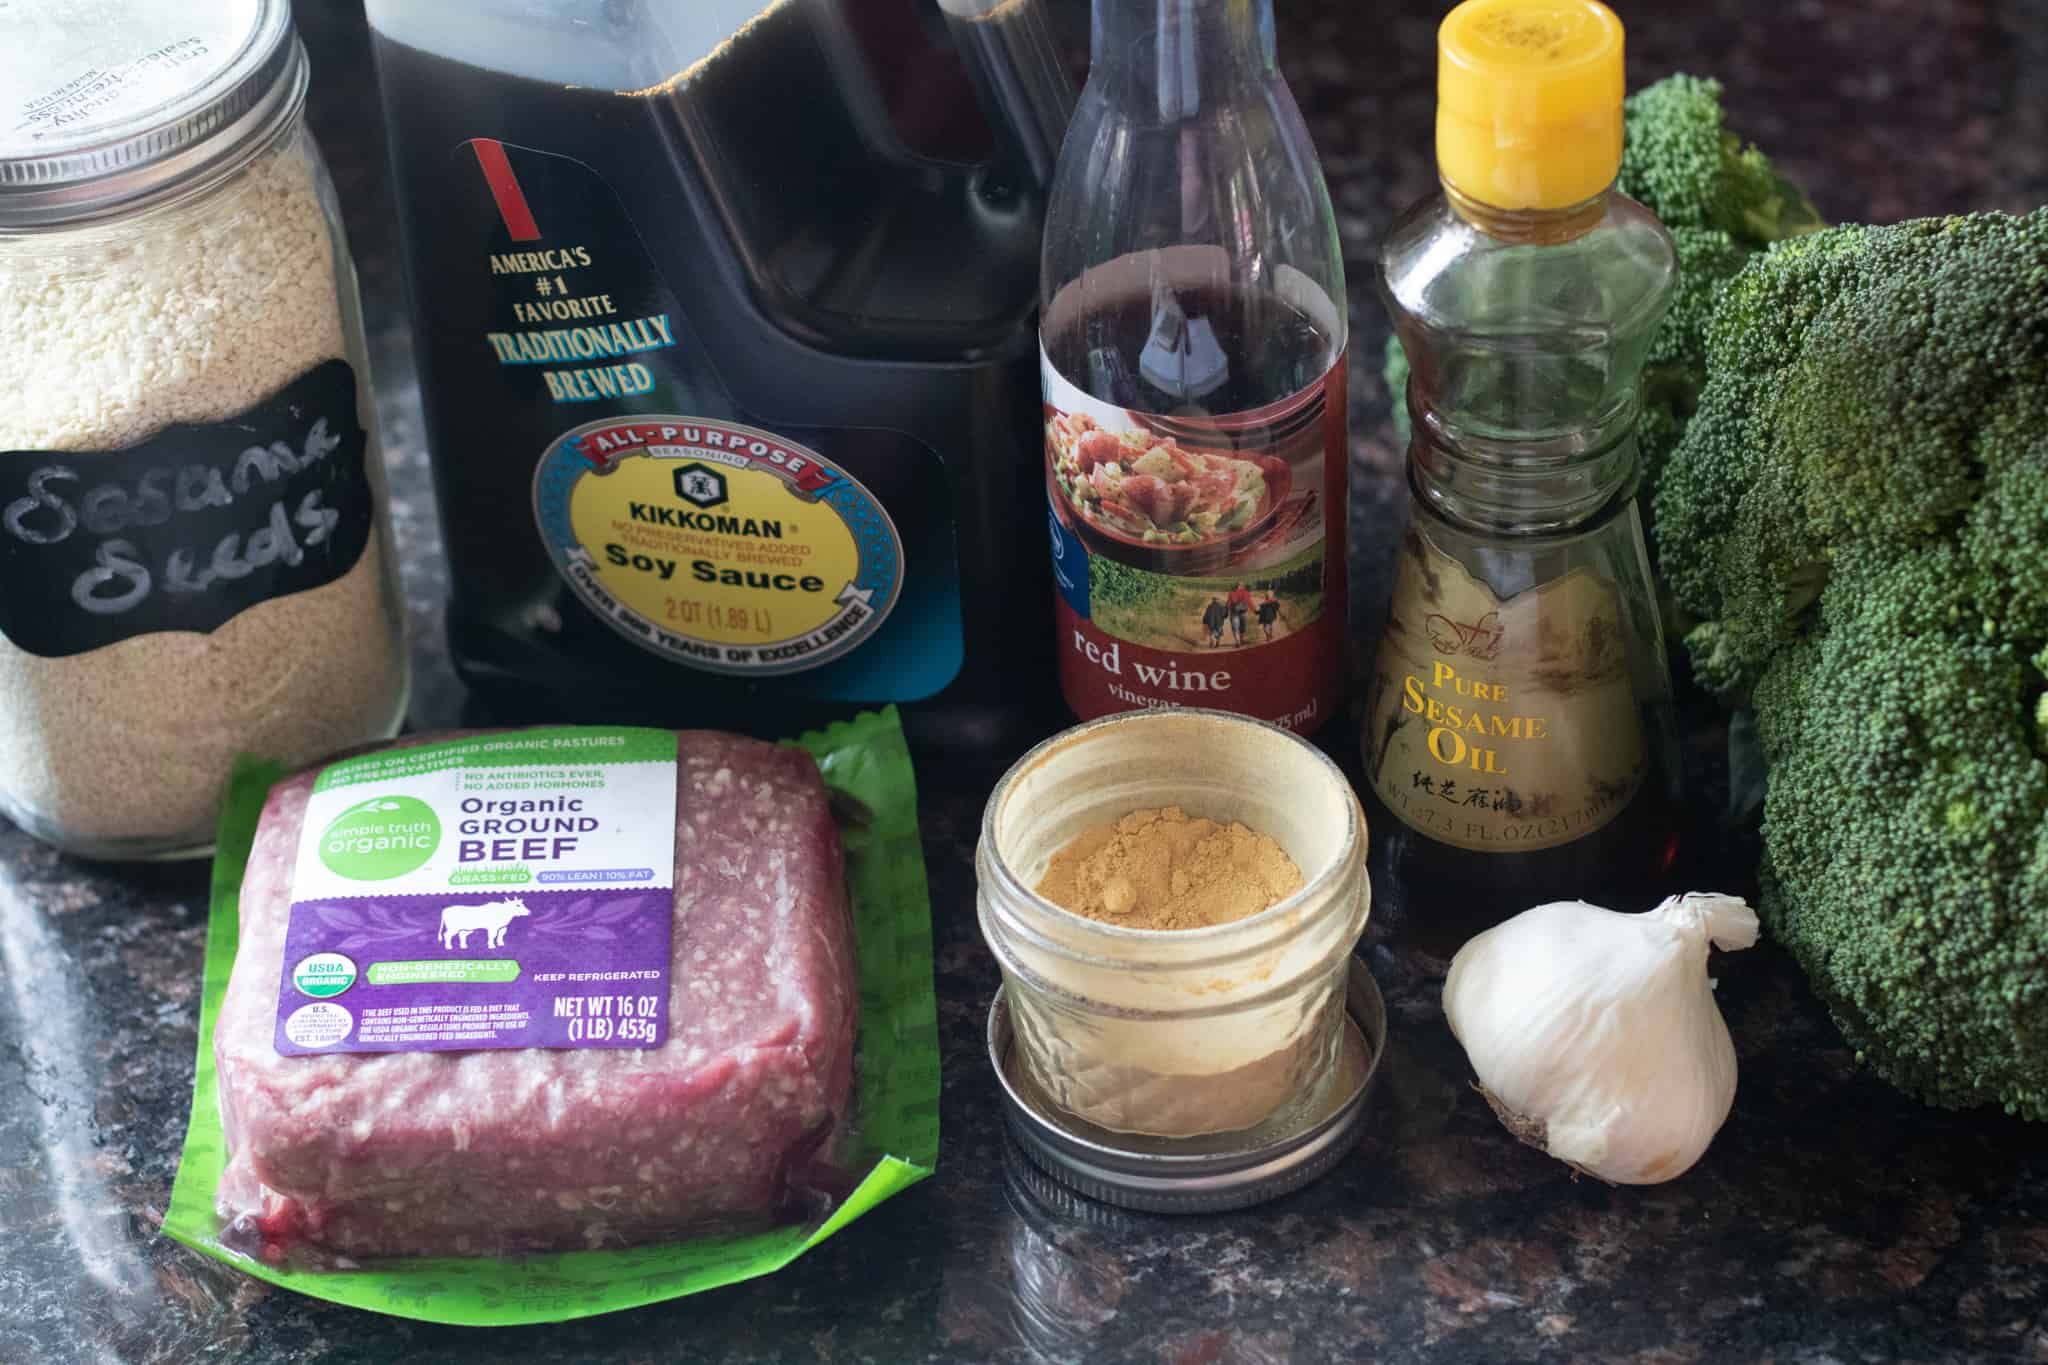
(135, 347)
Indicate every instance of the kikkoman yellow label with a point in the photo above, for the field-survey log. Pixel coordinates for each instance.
(1502, 726)
(717, 545)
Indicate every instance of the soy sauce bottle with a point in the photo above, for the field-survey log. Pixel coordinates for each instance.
(1192, 335)
(1519, 743)
(724, 314)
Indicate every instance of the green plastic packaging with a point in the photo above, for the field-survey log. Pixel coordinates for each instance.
(867, 768)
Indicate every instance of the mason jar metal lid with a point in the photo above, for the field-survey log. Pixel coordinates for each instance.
(1209, 1174)
(111, 101)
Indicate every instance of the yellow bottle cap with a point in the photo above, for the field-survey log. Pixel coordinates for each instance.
(1528, 101)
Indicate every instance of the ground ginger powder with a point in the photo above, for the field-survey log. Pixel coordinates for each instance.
(1161, 869)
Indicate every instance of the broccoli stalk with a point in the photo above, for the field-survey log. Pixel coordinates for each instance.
(1858, 511)
(1722, 201)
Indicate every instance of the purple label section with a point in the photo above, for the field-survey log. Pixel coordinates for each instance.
(558, 968)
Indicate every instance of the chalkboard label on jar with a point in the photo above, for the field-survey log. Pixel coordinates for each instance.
(188, 529)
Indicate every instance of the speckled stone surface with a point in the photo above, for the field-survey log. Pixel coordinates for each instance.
(1832, 1221)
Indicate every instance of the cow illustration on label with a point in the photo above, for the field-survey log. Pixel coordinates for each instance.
(458, 922)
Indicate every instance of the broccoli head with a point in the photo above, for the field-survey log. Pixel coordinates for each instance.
(1859, 510)
(1723, 202)
(1906, 831)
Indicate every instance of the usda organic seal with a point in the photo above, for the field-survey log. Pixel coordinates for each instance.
(324, 974)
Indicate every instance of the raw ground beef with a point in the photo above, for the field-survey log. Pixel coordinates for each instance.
(424, 1153)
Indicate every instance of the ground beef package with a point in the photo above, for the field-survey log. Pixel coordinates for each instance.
(591, 991)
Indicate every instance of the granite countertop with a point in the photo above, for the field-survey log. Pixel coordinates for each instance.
(1832, 1221)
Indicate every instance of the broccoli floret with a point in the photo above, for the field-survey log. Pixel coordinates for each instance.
(1679, 158)
(1862, 383)
(1677, 363)
(1859, 510)
(1722, 201)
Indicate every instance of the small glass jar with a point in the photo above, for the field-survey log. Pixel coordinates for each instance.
(1175, 1033)
(195, 556)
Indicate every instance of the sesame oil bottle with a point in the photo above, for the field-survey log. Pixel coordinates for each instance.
(1519, 744)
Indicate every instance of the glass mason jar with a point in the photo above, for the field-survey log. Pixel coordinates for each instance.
(195, 558)
(1175, 1033)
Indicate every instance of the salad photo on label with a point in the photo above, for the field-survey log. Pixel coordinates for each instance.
(1135, 485)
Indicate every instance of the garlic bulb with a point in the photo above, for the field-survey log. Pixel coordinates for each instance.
(1595, 1035)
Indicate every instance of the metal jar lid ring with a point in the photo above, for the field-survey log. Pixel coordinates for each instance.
(124, 102)
(1200, 1175)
